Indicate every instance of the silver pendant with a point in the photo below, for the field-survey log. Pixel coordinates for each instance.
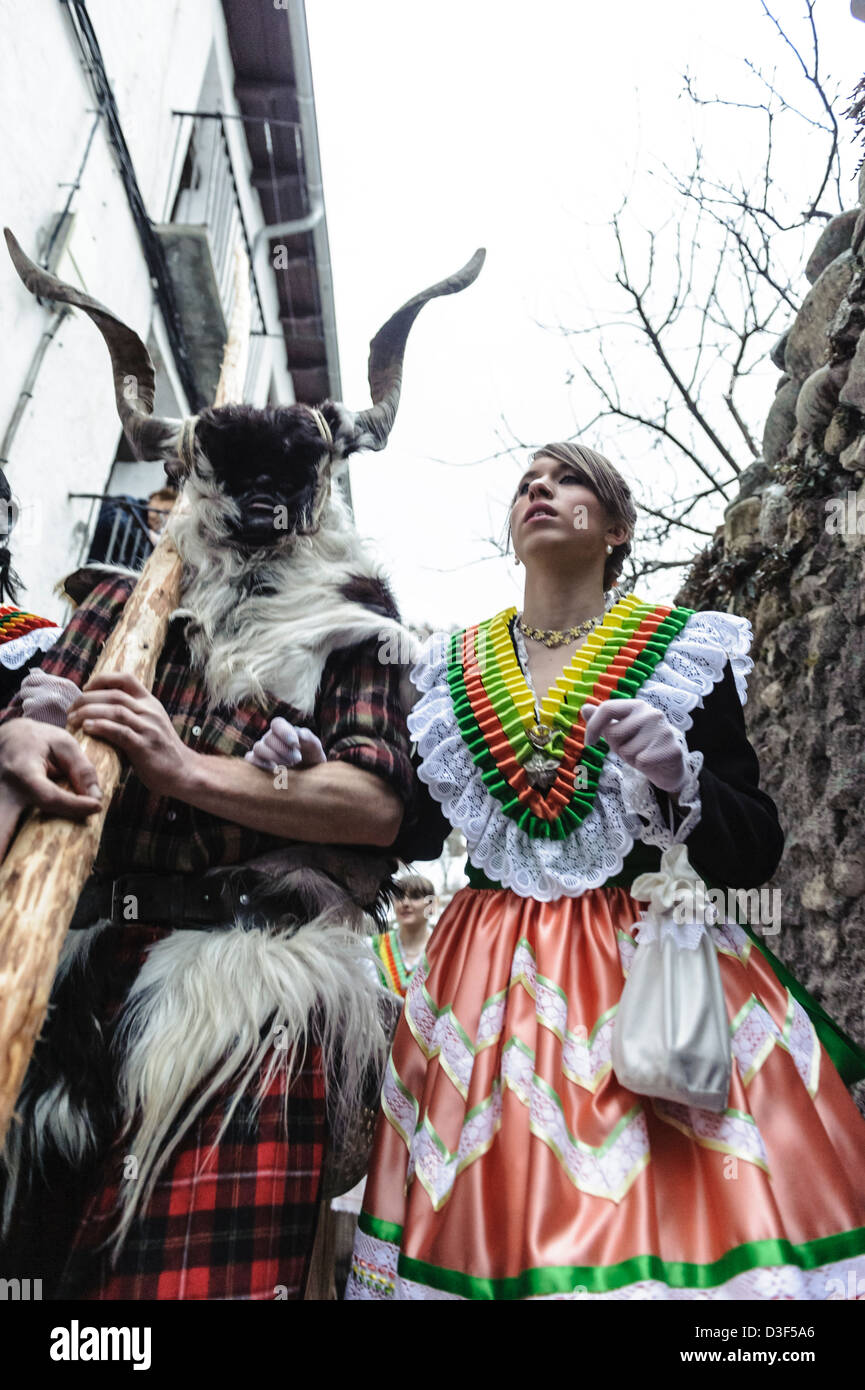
(541, 771)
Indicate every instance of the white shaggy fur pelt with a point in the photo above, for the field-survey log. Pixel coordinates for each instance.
(265, 622)
(50, 1121)
(218, 1007)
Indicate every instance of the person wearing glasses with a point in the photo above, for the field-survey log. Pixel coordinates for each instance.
(398, 951)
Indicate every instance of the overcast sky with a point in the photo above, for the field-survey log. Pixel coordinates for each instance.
(462, 123)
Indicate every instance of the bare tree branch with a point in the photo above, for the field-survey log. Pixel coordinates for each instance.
(703, 287)
(655, 339)
(617, 409)
(673, 521)
(814, 78)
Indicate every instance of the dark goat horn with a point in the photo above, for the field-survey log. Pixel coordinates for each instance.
(149, 435)
(387, 349)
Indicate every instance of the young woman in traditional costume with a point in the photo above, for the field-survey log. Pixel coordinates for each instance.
(398, 951)
(510, 1161)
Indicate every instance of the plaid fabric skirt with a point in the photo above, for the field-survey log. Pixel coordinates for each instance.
(233, 1219)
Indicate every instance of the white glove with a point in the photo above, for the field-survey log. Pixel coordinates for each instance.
(643, 738)
(286, 746)
(47, 698)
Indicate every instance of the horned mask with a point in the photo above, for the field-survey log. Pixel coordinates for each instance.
(255, 459)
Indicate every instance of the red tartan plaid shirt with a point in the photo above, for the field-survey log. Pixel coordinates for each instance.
(358, 716)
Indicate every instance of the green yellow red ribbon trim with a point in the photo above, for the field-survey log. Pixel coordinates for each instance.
(391, 966)
(14, 622)
(494, 707)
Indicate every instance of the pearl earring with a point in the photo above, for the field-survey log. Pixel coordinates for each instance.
(609, 550)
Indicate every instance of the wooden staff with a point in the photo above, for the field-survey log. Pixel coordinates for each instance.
(46, 867)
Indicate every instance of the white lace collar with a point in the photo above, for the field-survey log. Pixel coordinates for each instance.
(625, 808)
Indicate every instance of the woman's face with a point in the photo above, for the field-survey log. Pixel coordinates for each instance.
(411, 912)
(555, 508)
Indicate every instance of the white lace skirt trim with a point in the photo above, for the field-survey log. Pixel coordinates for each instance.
(13, 654)
(626, 807)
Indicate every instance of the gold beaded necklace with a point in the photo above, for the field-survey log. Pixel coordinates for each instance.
(551, 637)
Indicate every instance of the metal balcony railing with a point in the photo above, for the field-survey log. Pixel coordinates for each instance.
(208, 203)
(115, 532)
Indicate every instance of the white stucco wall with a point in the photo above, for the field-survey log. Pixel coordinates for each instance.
(155, 55)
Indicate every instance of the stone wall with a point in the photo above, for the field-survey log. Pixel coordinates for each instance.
(791, 558)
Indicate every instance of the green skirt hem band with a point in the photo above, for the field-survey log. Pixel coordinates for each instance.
(757, 1254)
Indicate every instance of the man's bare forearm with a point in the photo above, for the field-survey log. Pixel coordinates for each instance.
(334, 803)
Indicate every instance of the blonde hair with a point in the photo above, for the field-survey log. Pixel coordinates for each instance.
(608, 485)
(412, 886)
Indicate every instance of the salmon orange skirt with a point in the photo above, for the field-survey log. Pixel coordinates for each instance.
(510, 1164)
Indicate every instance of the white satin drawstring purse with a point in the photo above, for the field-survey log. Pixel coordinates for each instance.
(670, 1037)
